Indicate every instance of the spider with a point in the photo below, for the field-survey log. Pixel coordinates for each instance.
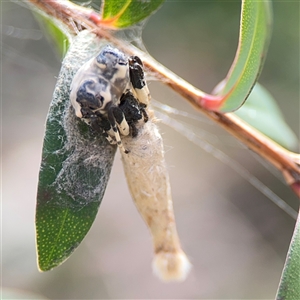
(110, 94)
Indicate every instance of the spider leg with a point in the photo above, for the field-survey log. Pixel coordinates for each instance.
(137, 79)
(108, 136)
(132, 108)
(101, 125)
(114, 115)
(143, 111)
(121, 121)
(134, 130)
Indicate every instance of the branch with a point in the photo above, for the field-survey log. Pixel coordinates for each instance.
(75, 18)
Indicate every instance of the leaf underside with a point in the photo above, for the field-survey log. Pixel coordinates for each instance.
(261, 112)
(289, 288)
(55, 33)
(255, 32)
(75, 167)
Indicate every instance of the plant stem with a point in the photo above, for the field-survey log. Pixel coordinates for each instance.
(75, 18)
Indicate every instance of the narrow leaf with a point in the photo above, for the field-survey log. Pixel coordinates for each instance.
(262, 112)
(289, 287)
(75, 167)
(54, 33)
(255, 31)
(124, 13)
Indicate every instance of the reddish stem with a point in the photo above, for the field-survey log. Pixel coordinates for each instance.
(287, 162)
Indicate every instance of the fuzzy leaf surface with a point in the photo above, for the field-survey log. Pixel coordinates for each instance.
(75, 167)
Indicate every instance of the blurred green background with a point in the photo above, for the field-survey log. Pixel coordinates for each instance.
(235, 237)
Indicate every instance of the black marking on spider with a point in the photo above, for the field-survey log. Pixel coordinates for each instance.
(133, 111)
(136, 72)
(110, 93)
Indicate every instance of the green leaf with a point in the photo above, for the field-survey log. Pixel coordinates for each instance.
(125, 13)
(262, 112)
(289, 287)
(54, 33)
(75, 167)
(255, 31)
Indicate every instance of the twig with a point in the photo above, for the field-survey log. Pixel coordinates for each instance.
(287, 162)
